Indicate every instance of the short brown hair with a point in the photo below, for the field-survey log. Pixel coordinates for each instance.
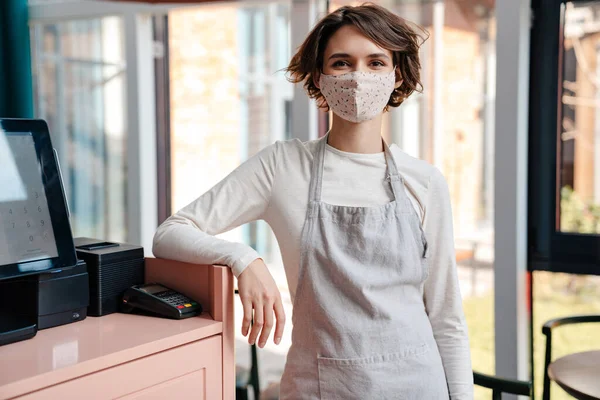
(383, 27)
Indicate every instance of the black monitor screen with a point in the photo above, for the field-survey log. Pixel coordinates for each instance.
(35, 234)
(26, 232)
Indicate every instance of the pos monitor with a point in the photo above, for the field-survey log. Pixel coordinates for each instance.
(35, 234)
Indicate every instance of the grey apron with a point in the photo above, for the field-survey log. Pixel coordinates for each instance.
(360, 329)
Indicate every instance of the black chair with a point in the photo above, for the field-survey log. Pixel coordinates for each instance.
(245, 378)
(547, 330)
(500, 385)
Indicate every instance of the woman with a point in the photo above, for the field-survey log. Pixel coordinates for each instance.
(364, 229)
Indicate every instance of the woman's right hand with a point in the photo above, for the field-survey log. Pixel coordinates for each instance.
(260, 298)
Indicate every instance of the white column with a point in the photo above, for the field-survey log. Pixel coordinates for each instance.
(304, 14)
(490, 101)
(511, 123)
(438, 82)
(142, 212)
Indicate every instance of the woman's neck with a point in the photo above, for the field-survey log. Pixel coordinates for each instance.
(364, 137)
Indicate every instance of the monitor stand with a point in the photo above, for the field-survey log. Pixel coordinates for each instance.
(18, 309)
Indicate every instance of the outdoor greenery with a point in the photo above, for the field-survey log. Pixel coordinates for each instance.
(555, 295)
(577, 215)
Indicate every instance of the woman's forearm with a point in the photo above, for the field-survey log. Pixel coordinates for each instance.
(243, 196)
(178, 240)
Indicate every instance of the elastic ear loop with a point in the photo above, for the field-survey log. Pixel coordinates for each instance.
(398, 74)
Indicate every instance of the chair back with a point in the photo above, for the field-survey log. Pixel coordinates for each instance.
(501, 385)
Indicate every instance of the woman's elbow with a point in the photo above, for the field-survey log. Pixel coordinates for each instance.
(166, 236)
(156, 240)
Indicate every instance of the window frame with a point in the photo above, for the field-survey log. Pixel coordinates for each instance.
(548, 248)
(163, 115)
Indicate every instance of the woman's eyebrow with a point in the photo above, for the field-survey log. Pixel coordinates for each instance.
(379, 55)
(346, 55)
(339, 55)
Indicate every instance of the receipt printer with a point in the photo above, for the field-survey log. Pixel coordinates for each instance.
(113, 267)
(63, 295)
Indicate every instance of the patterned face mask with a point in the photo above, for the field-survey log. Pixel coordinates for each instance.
(357, 96)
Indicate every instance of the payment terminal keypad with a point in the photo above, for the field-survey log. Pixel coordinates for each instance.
(176, 299)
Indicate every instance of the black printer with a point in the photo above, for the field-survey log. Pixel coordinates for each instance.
(113, 268)
(63, 295)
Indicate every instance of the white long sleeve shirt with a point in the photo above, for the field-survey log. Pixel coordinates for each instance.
(273, 186)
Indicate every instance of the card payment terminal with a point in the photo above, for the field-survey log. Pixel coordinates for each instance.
(159, 300)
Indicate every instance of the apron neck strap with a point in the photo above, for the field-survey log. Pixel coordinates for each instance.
(316, 177)
(396, 181)
(316, 181)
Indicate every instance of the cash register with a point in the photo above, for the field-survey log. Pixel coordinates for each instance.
(41, 282)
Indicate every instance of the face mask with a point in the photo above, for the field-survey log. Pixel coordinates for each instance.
(357, 96)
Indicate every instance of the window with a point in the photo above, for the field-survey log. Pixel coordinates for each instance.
(564, 174)
(565, 157)
(579, 168)
(79, 89)
(228, 99)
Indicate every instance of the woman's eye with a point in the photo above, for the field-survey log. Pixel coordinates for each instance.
(377, 64)
(340, 64)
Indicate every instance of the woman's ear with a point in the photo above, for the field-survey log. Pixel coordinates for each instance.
(399, 79)
(316, 78)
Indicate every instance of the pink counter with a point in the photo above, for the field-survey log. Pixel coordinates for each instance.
(134, 357)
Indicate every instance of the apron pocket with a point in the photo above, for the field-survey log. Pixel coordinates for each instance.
(411, 374)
